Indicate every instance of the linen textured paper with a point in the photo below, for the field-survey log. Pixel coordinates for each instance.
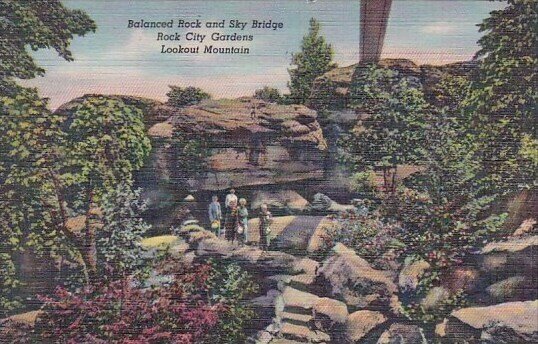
(253, 171)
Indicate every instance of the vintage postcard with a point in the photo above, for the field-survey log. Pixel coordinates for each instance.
(274, 172)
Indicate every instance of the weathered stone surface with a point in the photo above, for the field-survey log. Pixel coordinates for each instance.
(303, 333)
(516, 255)
(329, 313)
(214, 246)
(511, 322)
(411, 274)
(402, 334)
(280, 201)
(294, 300)
(515, 288)
(526, 226)
(278, 144)
(360, 323)
(350, 278)
(435, 298)
(324, 204)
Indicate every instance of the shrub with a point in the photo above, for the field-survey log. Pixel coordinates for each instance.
(269, 94)
(123, 312)
(180, 97)
(376, 241)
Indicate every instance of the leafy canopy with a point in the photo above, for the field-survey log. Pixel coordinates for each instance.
(180, 97)
(42, 24)
(314, 60)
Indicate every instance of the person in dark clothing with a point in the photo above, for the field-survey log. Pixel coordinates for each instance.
(232, 222)
(265, 222)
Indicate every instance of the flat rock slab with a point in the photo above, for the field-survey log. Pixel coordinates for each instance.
(360, 323)
(520, 319)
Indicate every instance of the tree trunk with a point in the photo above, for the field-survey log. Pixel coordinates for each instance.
(89, 251)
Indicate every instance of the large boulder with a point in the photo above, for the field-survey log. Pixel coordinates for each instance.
(324, 204)
(511, 256)
(278, 144)
(348, 277)
(511, 322)
(515, 288)
(279, 201)
(360, 323)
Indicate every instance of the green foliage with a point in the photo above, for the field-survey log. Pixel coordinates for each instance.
(119, 244)
(29, 212)
(229, 285)
(190, 154)
(364, 182)
(392, 132)
(503, 98)
(269, 94)
(35, 25)
(416, 312)
(374, 239)
(314, 60)
(105, 143)
(181, 97)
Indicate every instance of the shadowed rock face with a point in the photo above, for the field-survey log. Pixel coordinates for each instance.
(253, 142)
(271, 144)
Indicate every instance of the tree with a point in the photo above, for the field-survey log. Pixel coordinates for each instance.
(105, 142)
(392, 131)
(503, 98)
(29, 133)
(268, 94)
(119, 247)
(181, 97)
(35, 24)
(314, 60)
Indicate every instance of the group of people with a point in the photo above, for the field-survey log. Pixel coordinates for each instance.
(236, 215)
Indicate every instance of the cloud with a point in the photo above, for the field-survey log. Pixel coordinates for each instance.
(440, 28)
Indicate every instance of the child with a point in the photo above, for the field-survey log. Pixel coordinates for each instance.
(215, 214)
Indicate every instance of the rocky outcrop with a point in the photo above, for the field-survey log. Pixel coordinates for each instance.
(324, 204)
(331, 91)
(270, 145)
(251, 142)
(512, 322)
(350, 278)
(360, 323)
(403, 334)
(280, 201)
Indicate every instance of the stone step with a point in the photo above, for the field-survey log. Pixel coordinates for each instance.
(303, 334)
(294, 298)
(296, 318)
(302, 282)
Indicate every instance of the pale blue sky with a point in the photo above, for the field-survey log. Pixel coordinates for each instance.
(119, 60)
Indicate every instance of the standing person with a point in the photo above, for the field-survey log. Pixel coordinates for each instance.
(230, 197)
(215, 214)
(232, 222)
(265, 230)
(243, 221)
